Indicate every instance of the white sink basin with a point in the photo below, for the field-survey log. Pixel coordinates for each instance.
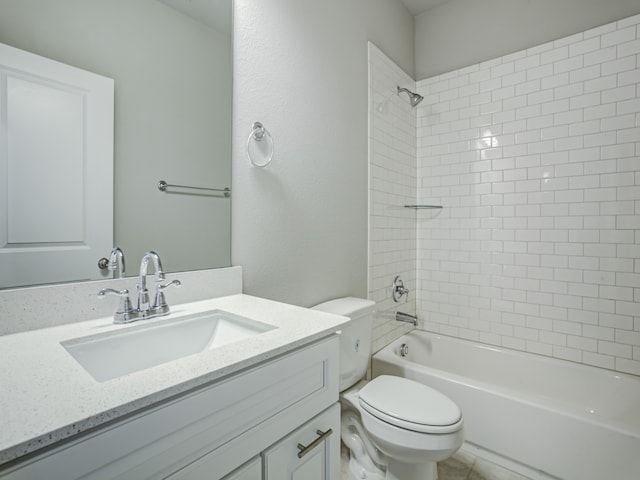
(119, 353)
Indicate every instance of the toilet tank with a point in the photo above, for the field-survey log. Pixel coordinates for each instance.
(355, 340)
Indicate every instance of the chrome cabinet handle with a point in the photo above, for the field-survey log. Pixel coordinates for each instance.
(306, 449)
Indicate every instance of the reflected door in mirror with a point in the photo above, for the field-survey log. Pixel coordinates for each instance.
(56, 170)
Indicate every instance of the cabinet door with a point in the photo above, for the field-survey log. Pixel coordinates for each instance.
(312, 452)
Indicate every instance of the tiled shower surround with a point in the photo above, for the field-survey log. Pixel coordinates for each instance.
(535, 157)
(392, 184)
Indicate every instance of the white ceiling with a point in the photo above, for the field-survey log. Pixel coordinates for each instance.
(416, 7)
(210, 12)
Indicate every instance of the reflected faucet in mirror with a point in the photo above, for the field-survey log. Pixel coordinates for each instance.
(116, 261)
(126, 313)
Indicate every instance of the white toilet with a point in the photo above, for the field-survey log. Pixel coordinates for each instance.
(395, 428)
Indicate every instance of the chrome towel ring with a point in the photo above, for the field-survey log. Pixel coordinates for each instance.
(264, 150)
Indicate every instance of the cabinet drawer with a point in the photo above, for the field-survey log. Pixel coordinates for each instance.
(162, 440)
(312, 452)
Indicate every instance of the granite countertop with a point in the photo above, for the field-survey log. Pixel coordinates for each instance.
(46, 396)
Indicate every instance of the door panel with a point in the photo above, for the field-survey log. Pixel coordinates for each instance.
(56, 170)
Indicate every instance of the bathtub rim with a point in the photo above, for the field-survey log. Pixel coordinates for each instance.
(389, 354)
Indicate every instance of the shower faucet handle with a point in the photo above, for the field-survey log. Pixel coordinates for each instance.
(398, 289)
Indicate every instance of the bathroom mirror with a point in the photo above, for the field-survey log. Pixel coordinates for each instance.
(171, 62)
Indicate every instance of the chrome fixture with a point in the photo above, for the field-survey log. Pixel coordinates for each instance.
(398, 290)
(414, 98)
(404, 350)
(258, 135)
(424, 207)
(126, 313)
(160, 306)
(114, 262)
(143, 293)
(407, 318)
(163, 186)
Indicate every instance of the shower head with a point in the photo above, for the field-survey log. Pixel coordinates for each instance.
(414, 98)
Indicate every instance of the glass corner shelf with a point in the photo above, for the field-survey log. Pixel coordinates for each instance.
(423, 207)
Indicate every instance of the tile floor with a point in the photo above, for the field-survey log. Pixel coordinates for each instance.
(465, 466)
(462, 466)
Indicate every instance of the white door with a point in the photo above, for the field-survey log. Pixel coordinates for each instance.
(312, 452)
(56, 170)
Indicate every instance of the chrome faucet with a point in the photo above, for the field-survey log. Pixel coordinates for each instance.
(126, 313)
(159, 306)
(143, 293)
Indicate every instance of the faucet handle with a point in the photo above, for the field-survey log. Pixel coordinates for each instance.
(124, 312)
(160, 288)
(112, 291)
(398, 289)
(177, 283)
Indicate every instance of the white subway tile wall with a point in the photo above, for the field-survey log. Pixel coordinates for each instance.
(536, 159)
(392, 184)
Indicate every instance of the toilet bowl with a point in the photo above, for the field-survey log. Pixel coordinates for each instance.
(394, 428)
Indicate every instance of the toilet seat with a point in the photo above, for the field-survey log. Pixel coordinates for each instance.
(410, 405)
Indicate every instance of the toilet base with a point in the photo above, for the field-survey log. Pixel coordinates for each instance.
(412, 471)
(356, 471)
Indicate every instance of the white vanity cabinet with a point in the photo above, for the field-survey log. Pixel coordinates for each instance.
(238, 428)
(311, 452)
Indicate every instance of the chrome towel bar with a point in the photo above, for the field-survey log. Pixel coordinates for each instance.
(162, 186)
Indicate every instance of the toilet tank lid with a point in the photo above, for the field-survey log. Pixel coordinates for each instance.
(348, 306)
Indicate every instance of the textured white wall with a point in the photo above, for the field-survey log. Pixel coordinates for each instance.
(464, 32)
(299, 226)
(536, 159)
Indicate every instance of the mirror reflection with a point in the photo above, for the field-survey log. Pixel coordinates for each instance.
(171, 65)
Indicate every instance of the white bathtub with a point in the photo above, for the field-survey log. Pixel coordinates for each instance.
(540, 415)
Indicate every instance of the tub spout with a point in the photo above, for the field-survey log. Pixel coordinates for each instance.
(405, 317)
